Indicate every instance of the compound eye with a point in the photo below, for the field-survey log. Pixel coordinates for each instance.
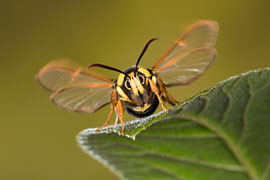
(127, 84)
(141, 79)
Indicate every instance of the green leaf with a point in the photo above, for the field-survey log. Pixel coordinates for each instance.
(221, 133)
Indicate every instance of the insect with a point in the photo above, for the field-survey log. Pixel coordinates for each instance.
(137, 89)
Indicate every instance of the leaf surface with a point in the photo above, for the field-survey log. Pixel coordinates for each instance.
(221, 133)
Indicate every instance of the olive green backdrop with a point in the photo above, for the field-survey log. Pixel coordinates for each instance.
(37, 138)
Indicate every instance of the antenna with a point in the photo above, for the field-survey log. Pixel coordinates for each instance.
(142, 53)
(107, 67)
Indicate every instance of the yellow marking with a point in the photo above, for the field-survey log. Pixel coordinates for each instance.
(154, 79)
(134, 87)
(146, 81)
(131, 74)
(144, 71)
(126, 84)
(138, 85)
(142, 109)
(122, 93)
(120, 79)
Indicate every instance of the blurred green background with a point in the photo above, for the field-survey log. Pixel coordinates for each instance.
(37, 138)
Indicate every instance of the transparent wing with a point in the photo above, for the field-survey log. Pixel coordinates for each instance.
(73, 88)
(190, 56)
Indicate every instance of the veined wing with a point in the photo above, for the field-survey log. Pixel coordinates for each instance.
(73, 88)
(190, 56)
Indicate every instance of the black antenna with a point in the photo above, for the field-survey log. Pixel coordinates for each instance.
(107, 67)
(142, 53)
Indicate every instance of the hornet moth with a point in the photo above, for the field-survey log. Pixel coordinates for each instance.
(137, 89)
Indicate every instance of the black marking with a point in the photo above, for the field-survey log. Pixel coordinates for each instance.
(147, 112)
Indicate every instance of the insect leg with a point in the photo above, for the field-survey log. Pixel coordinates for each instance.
(119, 113)
(113, 103)
(116, 120)
(108, 119)
(165, 95)
(155, 89)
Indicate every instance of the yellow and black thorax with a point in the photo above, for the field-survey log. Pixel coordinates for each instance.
(133, 89)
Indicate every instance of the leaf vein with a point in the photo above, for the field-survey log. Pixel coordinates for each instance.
(224, 117)
(244, 119)
(238, 155)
